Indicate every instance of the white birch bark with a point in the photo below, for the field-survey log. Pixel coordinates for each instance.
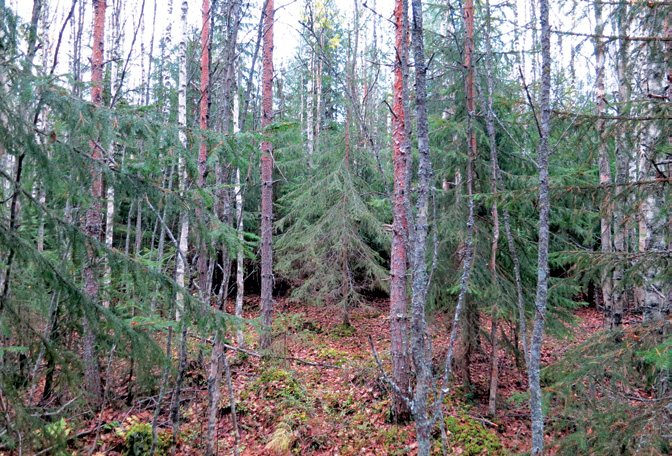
(181, 266)
(655, 88)
(240, 265)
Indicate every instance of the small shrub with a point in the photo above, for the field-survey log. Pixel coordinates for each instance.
(138, 439)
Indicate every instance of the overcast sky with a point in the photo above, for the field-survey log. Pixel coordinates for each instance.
(287, 27)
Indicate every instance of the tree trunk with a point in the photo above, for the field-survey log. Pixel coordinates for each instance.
(656, 136)
(494, 173)
(623, 146)
(202, 264)
(94, 220)
(534, 366)
(267, 182)
(603, 159)
(182, 265)
(240, 258)
(398, 262)
(471, 322)
(419, 344)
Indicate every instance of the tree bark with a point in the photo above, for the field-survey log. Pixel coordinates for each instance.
(494, 173)
(267, 181)
(202, 264)
(93, 226)
(656, 90)
(398, 262)
(621, 153)
(419, 343)
(603, 162)
(240, 258)
(534, 365)
(182, 266)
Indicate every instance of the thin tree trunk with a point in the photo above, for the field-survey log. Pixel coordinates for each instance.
(109, 239)
(267, 182)
(138, 230)
(162, 391)
(310, 113)
(603, 159)
(623, 145)
(534, 366)
(494, 172)
(182, 265)
(232, 403)
(150, 57)
(129, 221)
(240, 259)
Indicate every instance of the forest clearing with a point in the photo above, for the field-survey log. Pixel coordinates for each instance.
(373, 227)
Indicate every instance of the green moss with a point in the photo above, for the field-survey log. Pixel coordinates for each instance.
(343, 330)
(138, 439)
(472, 437)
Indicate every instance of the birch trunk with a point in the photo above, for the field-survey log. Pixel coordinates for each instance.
(240, 259)
(182, 265)
(656, 136)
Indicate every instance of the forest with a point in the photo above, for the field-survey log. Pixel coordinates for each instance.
(320, 227)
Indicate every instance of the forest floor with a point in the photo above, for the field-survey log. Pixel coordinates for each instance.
(339, 406)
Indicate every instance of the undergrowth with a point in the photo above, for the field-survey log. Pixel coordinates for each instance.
(610, 395)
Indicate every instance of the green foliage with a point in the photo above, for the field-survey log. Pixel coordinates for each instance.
(608, 395)
(472, 437)
(138, 438)
(331, 239)
(56, 437)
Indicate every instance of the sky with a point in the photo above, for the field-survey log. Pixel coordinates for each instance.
(286, 30)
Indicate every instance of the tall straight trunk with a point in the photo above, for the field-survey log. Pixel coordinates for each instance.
(138, 230)
(398, 262)
(150, 57)
(240, 258)
(603, 159)
(109, 239)
(655, 137)
(310, 113)
(623, 146)
(419, 343)
(470, 323)
(267, 181)
(182, 265)
(668, 60)
(205, 89)
(224, 205)
(534, 365)
(93, 226)
(202, 265)
(494, 172)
